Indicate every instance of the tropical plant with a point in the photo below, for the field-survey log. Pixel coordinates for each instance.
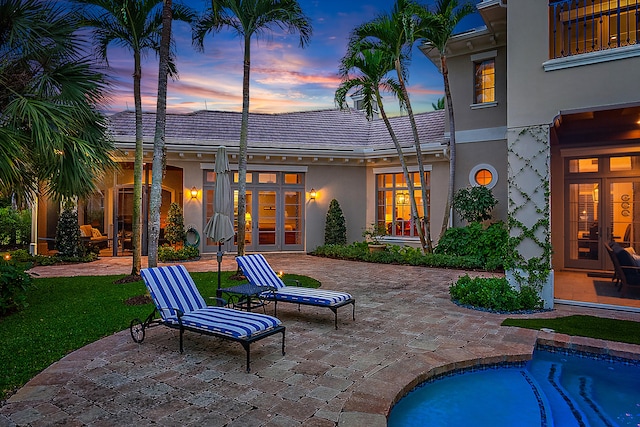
(136, 26)
(438, 105)
(15, 227)
(441, 24)
(474, 204)
(395, 34)
(174, 230)
(249, 18)
(51, 133)
(365, 68)
(335, 228)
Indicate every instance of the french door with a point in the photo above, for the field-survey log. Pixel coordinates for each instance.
(599, 210)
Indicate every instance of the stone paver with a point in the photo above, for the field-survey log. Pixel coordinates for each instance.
(406, 330)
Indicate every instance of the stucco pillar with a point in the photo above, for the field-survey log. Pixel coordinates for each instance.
(529, 210)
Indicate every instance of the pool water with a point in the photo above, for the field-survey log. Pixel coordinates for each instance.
(553, 389)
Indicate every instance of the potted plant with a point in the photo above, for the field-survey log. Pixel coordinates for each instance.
(372, 236)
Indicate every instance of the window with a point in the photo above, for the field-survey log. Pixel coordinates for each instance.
(394, 203)
(485, 82)
(581, 26)
(483, 174)
(583, 165)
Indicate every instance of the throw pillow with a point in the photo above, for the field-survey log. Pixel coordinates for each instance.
(95, 232)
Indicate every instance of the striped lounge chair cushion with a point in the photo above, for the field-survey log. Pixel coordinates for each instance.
(307, 296)
(172, 288)
(260, 273)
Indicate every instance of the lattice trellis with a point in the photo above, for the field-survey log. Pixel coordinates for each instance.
(529, 209)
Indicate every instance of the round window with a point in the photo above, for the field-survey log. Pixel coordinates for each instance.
(483, 174)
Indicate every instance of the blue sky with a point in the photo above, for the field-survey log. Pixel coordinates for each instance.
(284, 77)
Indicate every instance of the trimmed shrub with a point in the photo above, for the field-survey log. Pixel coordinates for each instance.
(68, 233)
(174, 230)
(494, 293)
(169, 253)
(335, 229)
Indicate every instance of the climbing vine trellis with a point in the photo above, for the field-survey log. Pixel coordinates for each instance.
(529, 209)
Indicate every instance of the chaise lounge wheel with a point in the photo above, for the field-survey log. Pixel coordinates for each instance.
(137, 330)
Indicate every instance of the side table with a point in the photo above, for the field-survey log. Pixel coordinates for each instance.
(244, 294)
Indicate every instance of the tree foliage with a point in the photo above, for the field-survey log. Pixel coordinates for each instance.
(51, 131)
(174, 230)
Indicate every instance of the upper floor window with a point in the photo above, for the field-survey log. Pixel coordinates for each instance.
(485, 82)
(581, 26)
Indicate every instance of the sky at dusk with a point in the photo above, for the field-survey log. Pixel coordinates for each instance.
(284, 77)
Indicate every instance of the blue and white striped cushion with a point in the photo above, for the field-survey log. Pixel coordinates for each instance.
(172, 287)
(260, 273)
(307, 296)
(227, 321)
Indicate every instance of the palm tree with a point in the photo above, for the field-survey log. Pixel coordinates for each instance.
(447, 14)
(439, 105)
(51, 132)
(158, 140)
(371, 67)
(136, 26)
(249, 18)
(396, 34)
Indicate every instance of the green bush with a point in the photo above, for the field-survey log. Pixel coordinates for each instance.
(15, 227)
(359, 251)
(168, 253)
(494, 293)
(335, 229)
(174, 230)
(68, 233)
(14, 283)
(474, 204)
(485, 244)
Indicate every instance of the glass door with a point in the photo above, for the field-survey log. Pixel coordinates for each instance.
(266, 217)
(583, 248)
(624, 217)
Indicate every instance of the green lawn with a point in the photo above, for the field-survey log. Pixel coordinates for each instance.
(585, 326)
(66, 313)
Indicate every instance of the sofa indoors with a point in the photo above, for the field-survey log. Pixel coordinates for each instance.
(93, 236)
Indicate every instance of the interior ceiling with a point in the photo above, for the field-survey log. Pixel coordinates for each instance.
(620, 125)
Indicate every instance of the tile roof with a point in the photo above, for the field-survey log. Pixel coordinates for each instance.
(333, 130)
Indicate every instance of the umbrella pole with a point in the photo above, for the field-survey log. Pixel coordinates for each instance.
(219, 258)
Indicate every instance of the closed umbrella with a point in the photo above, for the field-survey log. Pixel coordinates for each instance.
(220, 226)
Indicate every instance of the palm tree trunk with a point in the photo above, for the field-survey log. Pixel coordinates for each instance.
(405, 170)
(242, 157)
(424, 234)
(159, 136)
(136, 236)
(452, 146)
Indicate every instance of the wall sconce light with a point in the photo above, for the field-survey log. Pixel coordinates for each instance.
(194, 192)
(313, 194)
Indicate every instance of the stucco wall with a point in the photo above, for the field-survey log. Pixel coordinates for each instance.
(535, 95)
(346, 184)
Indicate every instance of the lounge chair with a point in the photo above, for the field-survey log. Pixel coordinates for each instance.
(182, 307)
(258, 271)
(626, 271)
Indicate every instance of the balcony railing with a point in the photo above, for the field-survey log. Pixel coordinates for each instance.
(581, 26)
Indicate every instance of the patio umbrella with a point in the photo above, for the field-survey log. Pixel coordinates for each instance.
(220, 226)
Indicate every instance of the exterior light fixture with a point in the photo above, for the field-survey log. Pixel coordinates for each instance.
(313, 194)
(194, 192)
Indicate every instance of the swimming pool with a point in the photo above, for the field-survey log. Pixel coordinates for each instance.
(553, 389)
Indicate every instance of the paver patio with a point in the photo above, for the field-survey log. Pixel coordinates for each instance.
(406, 329)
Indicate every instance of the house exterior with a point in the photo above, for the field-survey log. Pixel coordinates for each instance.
(550, 89)
(547, 108)
(338, 154)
